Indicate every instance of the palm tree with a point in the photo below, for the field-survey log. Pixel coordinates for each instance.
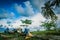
(48, 12)
(55, 3)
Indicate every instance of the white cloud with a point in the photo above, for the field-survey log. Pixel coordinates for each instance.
(12, 14)
(5, 14)
(3, 22)
(37, 19)
(27, 11)
(58, 15)
(58, 21)
(37, 4)
(17, 22)
(19, 8)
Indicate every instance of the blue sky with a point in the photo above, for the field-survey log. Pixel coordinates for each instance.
(8, 6)
(17, 7)
(15, 10)
(14, 6)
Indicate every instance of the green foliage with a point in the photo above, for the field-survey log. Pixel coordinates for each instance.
(55, 3)
(51, 32)
(48, 12)
(16, 36)
(26, 21)
(49, 25)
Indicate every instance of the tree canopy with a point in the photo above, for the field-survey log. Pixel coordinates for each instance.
(48, 12)
(26, 21)
(49, 25)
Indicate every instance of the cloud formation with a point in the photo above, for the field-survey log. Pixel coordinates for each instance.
(5, 14)
(37, 4)
(27, 11)
(36, 21)
(58, 21)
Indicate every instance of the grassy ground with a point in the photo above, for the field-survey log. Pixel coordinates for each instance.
(17, 36)
(52, 32)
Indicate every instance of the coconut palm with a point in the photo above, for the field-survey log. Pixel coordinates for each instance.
(48, 12)
(55, 3)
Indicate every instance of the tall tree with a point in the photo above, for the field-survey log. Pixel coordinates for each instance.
(55, 3)
(48, 12)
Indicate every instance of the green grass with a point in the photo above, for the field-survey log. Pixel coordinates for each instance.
(13, 36)
(19, 37)
(51, 32)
